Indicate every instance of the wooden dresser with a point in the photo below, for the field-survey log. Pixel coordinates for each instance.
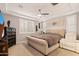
(10, 34)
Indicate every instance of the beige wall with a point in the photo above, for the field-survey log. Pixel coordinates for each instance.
(15, 23)
(70, 23)
(57, 23)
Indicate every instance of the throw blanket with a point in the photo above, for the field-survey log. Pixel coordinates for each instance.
(51, 38)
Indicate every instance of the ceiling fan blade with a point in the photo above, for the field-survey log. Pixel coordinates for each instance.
(45, 14)
(54, 4)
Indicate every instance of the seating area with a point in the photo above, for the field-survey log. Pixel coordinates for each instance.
(70, 42)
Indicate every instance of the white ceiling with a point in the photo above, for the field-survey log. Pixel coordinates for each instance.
(31, 9)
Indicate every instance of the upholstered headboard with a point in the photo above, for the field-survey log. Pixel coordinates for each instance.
(58, 31)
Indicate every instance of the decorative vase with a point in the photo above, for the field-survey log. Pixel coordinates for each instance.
(8, 23)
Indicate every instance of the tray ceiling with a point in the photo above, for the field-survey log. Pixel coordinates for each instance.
(31, 9)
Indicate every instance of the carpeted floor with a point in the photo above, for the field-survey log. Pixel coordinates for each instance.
(22, 49)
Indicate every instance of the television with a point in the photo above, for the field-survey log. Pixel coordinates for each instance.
(1, 18)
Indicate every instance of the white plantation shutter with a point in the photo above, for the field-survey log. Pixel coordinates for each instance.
(26, 26)
(71, 22)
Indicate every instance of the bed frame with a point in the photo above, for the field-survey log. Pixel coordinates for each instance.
(42, 45)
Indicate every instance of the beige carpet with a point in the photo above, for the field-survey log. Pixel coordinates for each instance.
(23, 49)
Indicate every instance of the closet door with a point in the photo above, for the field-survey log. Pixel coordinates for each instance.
(71, 23)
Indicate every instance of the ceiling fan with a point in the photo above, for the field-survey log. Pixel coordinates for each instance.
(45, 13)
(42, 13)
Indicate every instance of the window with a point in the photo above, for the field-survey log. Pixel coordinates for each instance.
(26, 26)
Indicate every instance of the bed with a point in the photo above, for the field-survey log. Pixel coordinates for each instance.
(46, 42)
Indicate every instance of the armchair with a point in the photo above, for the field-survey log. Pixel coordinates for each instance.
(70, 42)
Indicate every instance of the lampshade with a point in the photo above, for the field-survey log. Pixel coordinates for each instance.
(1, 18)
